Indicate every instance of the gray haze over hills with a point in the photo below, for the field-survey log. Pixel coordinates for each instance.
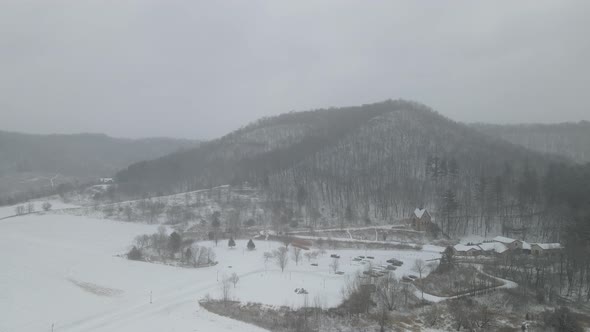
(203, 69)
(571, 140)
(30, 163)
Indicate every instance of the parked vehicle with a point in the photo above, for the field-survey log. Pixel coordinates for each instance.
(395, 262)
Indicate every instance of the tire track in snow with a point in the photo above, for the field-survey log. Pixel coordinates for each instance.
(163, 304)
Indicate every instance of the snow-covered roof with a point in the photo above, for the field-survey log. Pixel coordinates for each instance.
(419, 212)
(502, 239)
(547, 246)
(462, 247)
(526, 245)
(495, 246)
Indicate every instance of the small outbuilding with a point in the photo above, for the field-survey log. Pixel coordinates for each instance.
(546, 249)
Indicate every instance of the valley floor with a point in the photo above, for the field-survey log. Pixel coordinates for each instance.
(64, 271)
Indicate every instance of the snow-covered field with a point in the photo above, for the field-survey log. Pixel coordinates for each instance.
(63, 270)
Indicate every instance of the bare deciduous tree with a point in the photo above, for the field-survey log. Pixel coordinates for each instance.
(225, 289)
(383, 318)
(30, 208)
(296, 255)
(420, 267)
(389, 292)
(335, 265)
(234, 278)
(281, 257)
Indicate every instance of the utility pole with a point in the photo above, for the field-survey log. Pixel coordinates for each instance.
(150, 297)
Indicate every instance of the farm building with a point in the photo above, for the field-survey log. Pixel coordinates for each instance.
(467, 250)
(545, 249)
(518, 246)
(491, 248)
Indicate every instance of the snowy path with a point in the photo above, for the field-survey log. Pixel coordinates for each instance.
(433, 298)
(170, 305)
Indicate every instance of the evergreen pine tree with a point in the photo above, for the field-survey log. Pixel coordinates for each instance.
(251, 245)
(174, 242)
(231, 243)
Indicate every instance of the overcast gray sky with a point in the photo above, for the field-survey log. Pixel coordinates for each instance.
(199, 69)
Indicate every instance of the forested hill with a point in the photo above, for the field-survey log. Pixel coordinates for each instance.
(28, 162)
(571, 140)
(375, 162)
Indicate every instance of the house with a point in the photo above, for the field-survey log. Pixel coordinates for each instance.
(508, 242)
(545, 249)
(421, 220)
(518, 246)
(492, 248)
(466, 250)
(525, 248)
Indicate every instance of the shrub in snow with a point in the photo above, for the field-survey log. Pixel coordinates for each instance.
(135, 254)
(19, 210)
(251, 245)
(231, 243)
(46, 206)
(202, 256)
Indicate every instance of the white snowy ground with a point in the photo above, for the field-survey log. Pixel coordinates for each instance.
(62, 270)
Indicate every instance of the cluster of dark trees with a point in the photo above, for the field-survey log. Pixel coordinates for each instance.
(564, 195)
(163, 247)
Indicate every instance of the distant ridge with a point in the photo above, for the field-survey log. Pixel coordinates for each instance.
(26, 158)
(571, 140)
